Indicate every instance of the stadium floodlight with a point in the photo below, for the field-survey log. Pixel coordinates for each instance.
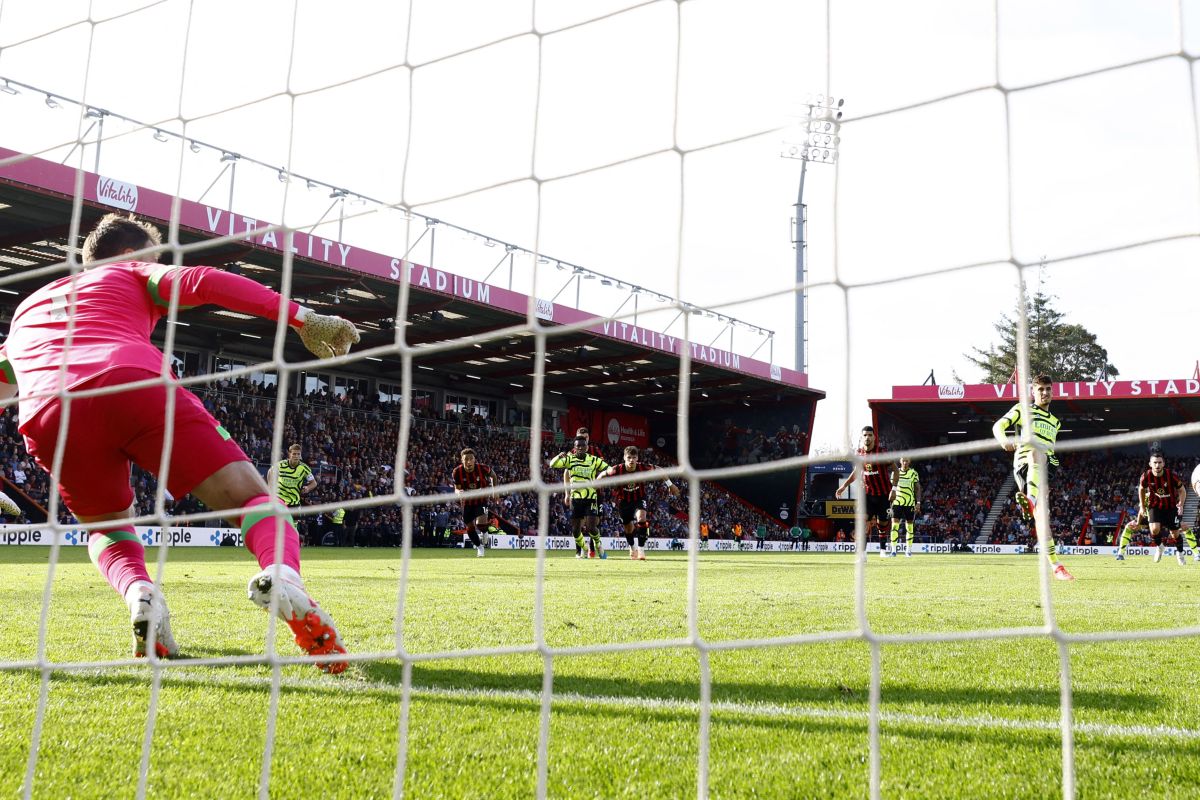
(227, 156)
(8, 88)
(194, 147)
(159, 135)
(815, 140)
(94, 113)
(51, 102)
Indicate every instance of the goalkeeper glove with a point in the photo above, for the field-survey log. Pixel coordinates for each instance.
(326, 336)
(8, 506)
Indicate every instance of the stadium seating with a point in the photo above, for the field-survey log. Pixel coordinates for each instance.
(349, 441)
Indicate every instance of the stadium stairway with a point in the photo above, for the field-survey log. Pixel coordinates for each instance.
(1190, 505)
(998, 505)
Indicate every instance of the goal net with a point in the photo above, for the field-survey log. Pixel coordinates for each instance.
(620, 158)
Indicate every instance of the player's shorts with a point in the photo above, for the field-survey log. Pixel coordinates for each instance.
(877, 506)
(1167, 517)
(107, 432)
(906, 513)
(628, 511)
(1028, 479)
(585, 507)
(473, 511)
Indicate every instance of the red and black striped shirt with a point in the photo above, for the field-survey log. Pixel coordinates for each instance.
(633, 492)
(1162, 491)
(476, 478)
(875, 475)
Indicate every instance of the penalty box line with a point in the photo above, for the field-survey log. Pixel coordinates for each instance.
(751, 709)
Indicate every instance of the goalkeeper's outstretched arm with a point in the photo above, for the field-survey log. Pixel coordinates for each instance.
(324, 336)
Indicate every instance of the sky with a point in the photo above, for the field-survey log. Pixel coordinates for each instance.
(642, 140)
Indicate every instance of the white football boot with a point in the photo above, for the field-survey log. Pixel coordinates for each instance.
(151, 621)
(313, 627)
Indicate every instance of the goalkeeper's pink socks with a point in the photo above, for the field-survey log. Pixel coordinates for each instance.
(119, 556)
(259, 529)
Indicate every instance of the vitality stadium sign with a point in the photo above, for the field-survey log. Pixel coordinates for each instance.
(259, 233)
(1071, 390)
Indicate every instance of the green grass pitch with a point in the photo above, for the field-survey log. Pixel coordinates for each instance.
(960, 720)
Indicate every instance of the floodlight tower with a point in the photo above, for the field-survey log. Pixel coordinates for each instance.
(820, 120)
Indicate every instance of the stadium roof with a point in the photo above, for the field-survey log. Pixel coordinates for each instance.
(1086, 408)
(610, 362)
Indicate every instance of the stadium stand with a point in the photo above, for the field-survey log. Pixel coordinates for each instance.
(348, 440)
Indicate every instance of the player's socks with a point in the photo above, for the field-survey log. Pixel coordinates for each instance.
(631, 539)
(1126, 537)
(894, 538)
(643, 533)
(580, 547)
(596, 548)
(908, 540)
(1052, 552)
(473, 535)
(259, 528)
(1189, 538)
(118, 554)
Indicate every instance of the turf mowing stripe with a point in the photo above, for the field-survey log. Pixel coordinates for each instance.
(766, 710)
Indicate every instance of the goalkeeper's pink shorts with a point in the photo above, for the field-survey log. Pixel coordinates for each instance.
(107, 432)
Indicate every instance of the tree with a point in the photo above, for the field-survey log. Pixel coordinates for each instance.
(1065, 352)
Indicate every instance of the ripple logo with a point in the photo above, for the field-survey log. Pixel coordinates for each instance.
(215, 538)
(71, 537)
(147, 537)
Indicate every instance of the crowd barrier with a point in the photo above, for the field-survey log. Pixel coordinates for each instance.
(232, 537)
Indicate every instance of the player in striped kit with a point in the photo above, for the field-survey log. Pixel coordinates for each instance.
(468, 476)
(582, 466)
(1031, 483)
(632, 502)
(906, 504)
(877, 483)
(1161, 495)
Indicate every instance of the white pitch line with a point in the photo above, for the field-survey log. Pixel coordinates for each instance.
(765, 710)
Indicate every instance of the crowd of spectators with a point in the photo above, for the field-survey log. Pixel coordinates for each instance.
(1088, 486)
(350, 441)
(957, 494)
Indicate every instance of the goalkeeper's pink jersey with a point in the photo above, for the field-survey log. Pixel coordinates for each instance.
(115, 309)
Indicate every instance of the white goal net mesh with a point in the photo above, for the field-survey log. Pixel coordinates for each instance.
(987, 146)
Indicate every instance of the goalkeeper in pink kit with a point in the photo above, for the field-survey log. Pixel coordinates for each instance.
(92, 330)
